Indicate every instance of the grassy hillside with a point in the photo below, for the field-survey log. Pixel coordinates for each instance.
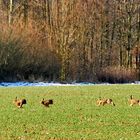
(74, 114)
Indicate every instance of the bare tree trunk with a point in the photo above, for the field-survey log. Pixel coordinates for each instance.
(48, 12)
(129, 46)
(138, 47)
(25, 5)
(10, 11)
(0, 2)
(44, 9)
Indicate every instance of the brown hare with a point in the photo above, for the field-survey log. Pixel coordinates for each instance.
(19, 102)
(133, 101)
(104, 101)
(47, 102)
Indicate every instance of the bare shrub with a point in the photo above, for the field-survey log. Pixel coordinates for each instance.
(23, 54)
(117, 75)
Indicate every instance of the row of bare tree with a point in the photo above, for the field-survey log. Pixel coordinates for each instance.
(70, 40)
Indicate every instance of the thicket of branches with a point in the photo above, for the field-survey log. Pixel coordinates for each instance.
(70, 40)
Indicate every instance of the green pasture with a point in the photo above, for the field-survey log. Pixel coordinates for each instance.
(73, 116)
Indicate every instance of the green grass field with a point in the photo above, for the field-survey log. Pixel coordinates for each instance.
(74, 114)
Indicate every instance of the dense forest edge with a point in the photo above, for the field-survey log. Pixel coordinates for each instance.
(70, 40)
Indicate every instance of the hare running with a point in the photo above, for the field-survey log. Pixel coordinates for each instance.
(19, 102)
(104, 101)
(133, 101)
(47, 102)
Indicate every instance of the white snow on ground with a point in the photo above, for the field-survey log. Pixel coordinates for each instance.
(16, 84)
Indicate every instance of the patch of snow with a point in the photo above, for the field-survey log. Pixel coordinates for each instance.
(17, 84)
(137, 82)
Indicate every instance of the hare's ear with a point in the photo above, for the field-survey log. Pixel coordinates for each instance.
(131, 97)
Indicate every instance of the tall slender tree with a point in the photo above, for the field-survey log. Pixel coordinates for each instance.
(10, 12)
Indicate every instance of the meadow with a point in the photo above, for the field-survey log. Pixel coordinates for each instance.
(74, 114)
